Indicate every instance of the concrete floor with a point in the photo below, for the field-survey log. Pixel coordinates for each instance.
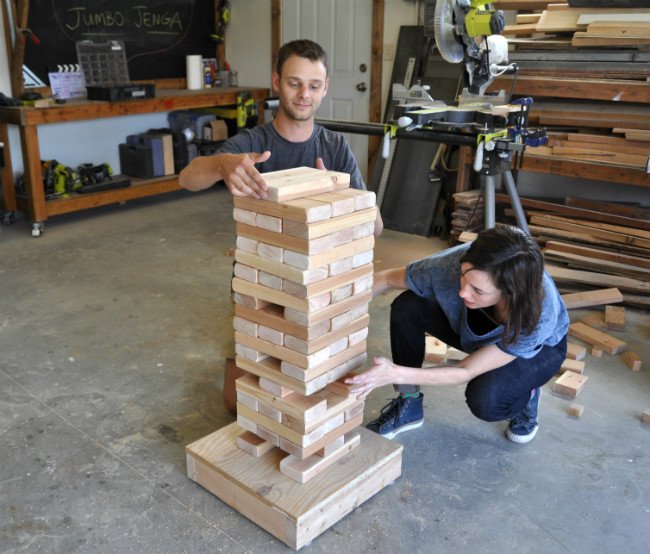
(113, 329)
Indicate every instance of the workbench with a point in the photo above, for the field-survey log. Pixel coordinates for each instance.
(28, 119)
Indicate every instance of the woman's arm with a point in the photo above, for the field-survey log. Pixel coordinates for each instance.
(384, 372)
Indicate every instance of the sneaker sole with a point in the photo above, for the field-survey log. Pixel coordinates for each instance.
(403, 428)
(522, 439)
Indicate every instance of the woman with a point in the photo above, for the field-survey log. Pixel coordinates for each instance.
(490, 298)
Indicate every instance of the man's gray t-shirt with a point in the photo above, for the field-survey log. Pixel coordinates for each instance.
(438, 278)
(325, 144)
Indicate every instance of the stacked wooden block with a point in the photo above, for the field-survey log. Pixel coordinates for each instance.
(302, 283)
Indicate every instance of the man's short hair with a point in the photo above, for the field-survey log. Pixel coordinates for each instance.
(305, 49)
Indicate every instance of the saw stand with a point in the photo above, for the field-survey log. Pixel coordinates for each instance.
(497, 162)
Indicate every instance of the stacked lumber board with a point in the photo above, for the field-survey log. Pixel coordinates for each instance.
(588, 70)
(302, 283)
(468, 214)
(589, 244)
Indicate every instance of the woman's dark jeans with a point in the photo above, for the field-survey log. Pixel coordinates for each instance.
(493, 396)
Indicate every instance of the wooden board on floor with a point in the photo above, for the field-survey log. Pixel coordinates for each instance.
(292, 512)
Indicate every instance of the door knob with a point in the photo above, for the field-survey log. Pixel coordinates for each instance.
(362, 87)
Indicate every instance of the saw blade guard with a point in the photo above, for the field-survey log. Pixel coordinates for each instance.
(444, 24)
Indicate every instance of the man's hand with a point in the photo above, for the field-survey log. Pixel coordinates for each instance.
(241, 176)
(383, 372)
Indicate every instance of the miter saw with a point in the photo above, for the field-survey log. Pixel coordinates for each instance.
(468, 31)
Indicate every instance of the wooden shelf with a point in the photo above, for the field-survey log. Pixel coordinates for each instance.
(28, 119)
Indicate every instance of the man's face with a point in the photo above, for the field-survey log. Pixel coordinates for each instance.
(301, 87)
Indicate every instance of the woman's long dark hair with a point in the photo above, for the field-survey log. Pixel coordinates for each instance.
(515, 264)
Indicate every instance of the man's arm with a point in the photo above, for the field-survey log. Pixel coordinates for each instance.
(237, 171)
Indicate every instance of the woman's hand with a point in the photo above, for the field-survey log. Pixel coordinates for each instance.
(383, 372)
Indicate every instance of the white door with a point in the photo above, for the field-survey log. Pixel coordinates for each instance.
(343, 29)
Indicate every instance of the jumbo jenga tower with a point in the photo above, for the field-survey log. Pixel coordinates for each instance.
(297, 459)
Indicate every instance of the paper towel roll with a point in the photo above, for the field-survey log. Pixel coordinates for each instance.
(194, 72)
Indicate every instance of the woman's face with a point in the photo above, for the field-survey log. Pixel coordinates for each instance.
(477, 289)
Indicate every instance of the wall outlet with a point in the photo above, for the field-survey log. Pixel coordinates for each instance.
(389, 52)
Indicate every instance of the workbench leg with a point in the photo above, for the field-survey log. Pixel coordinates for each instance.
(8, 191)
(464, 163)
(33, 174)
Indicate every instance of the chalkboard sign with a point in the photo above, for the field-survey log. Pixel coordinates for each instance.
(157, 35)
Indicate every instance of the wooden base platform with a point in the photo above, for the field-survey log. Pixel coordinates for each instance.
(290, 511)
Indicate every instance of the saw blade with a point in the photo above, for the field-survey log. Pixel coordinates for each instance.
(450, 49)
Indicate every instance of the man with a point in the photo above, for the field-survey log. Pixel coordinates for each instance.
(292, 139)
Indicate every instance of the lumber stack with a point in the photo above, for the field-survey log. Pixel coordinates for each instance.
(588, 244)
(587, 69)
(302, 284)
(468, 214)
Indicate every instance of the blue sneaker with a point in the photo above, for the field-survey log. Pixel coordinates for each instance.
(523, 427)
(399, 415)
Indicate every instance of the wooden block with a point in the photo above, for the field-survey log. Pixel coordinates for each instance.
(342, 293)
(307, 319)
(266, 295)
(344, 319)
(245, 272)
(575, 351)
(364, 230)
(269, 369)
(270, 252)
(357, 337)
(244, 216)
(362, 285)
(310, 346)
(570, 384)
(247, 400)
(596, 352)
(341, 266)
(575, 410)
(268, 222)
(273, 316)
(304, 470)
(355, 411)
(645, 417)
(249, 301)
(434, 350)
(343, 236)
(312, 231)
(247, 245)
(592, 298)
(615, 318)
(331, 447)
(597, 338)
(572, 365)
(270, 412)
(339, 387)
(302, 260)
(270, 335)
(247, 424)
(248, 352)
(269, 280)
(253, 445)
(305, 185)
(294, 274)
(632, 360)
(274, 388)
(303, 452)
(339, 346)
(297, 371)
(269, 436)
(244, 326)
(342, 204)
(292, 512)
(362, 198)
(303, 408)
(362, 258)
(305, 209)
(595, 321)
(333, 417)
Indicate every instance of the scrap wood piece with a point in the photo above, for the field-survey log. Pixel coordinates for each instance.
(434, 350)
(632, 360)
(596, 253)
(595, 321)
(575, 351)
(570, 384)
(604, 230)
(597, 338)
(575, 366)
(592, 298)
(562, 274)
(645, 417)
(615, 318)
(576, 410)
